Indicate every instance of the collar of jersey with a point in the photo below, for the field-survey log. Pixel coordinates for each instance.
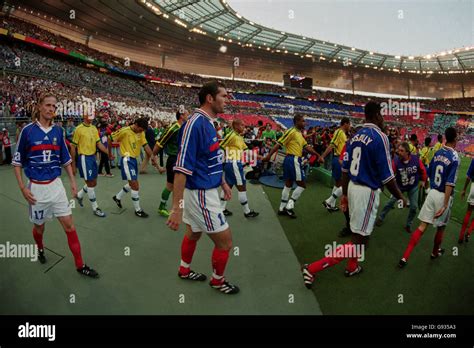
(203, 113)
(86, 125)
(448, 148)
(372, 125)
(45, 129)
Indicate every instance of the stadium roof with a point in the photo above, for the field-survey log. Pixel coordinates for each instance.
(215, 18)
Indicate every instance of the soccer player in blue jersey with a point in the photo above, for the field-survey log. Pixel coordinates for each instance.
(86, 139)
(470, 205)
(196, 202)
(40, 152)
(365, 169)
(409, 172)
(436, 210)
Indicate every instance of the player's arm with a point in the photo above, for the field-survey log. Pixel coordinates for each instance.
(272, 151)
(176, 215)
(72, 179)
(424, 174)
(25, 191)
(102, 148)
(312, 151)
(67, 162)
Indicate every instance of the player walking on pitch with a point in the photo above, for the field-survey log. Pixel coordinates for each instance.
(86, 139)
(294, 142)
(132, 139)
(41, 150)
(365, 169)
(169, 142)
(198, 174)
(337, 144)
(233, 144)
(437, 207)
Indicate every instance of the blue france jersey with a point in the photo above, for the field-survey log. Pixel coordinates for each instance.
(41, 152)
(443, 169)
(367, 158)
(470, 171)
(200, 156)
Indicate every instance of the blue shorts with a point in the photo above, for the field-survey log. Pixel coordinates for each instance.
(336, 168)
(129, 168)
(234, 173)
(292, 169)
(87, 165)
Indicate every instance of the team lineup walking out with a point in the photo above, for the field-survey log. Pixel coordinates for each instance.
(199, 164)
(41, 151)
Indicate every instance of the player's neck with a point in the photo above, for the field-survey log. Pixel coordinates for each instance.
(45, 123)
(208, 111)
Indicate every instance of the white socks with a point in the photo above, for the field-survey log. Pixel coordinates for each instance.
(244, 202)
(123, 191)
(285, 194)
(82, 192)
(336, 193)
(136, 200)
(91, 195)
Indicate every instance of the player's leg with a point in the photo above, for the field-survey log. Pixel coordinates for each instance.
(386, 209)
(288, 176)
(438, 239)
(242, 189)
(299, 177)
(165, 194)
(220, 256)
(414, 239)
(467, 217)
(91, 184)
(135, 187)
(330, 202)
(413, 198)
(38, 231)
(126, 175)
(188, 246)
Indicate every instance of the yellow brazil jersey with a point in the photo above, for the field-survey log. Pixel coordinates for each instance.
(338, 141)
(437, 146)
(426, 153)
(86, 138)
(294, 142)
(413, 149)
(233, 144)
(130, 142)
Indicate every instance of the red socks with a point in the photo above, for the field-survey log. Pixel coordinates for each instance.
(75, 247)
(415, 238)
(219, 261)
(437, 241)
(329, 261)
(38, 239)
(469, 231)
(188, 247)
(467, 217)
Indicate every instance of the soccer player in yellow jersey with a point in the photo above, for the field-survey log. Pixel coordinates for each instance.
(132, 139)
(426, 153)
(295, 143)
(86, 140)
(439, 144)
(233, 144)
(413, 144)
(336, 145)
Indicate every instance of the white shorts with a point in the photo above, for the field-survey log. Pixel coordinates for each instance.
(51, 201)
(203, 212)
(470, 198)
(433, 203)
(363, 205)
